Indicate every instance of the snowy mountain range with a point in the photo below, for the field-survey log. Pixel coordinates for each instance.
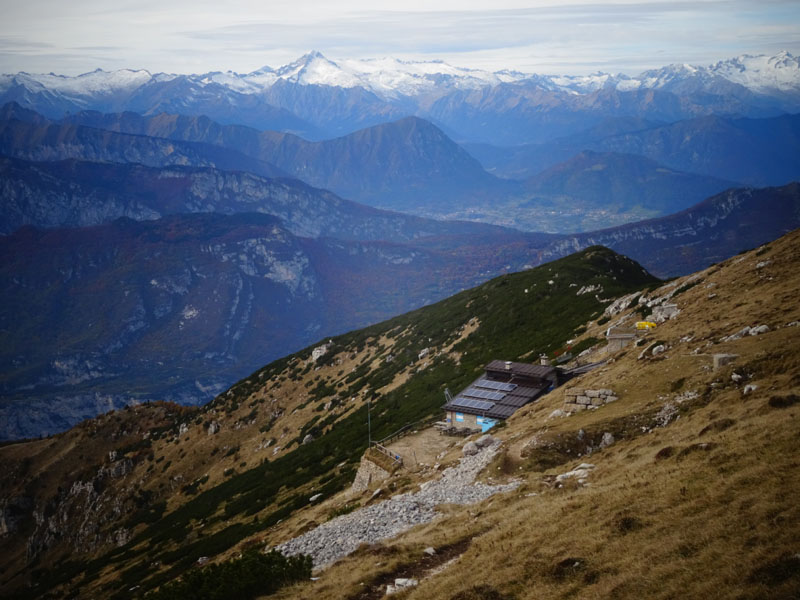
(318, 98)
(390, 78)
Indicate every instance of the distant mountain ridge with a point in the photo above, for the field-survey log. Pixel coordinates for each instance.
(708, 232)
(752, 151)
(316, 97)
(622, 182)
(79, 193)
(404, 165)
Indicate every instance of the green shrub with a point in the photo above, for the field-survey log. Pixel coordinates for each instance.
(253, 574)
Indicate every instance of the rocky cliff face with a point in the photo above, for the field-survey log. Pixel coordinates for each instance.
(178, 308)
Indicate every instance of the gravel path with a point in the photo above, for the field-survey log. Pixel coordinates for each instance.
(342, 535)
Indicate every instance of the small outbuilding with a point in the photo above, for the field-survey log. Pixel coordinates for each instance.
(504, 388)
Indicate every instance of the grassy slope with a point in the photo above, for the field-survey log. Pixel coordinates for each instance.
(695, 501)
(215, 491)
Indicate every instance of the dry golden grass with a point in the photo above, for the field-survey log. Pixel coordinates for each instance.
(703, 507)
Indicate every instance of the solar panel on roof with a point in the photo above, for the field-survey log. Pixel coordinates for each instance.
(495, 385)
(472, 403)
(474, 392)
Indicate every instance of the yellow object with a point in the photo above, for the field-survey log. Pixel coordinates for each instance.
(645, 325)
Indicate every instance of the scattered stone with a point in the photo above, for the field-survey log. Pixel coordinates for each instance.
(580, 473)
(400, 584)
(663, 312)
(423, 353)
(381, 520)
(430, 551)
(736, 378)
(202, 560)
(308, 439)
(660, 349)
(759, 330)
(184, 429)
(608, 439)
(557, 413)
(213, 427)
(763, 263)
(315, 497)
(470, 449)
(749, 388)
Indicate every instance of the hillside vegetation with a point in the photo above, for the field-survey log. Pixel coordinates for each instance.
(199, 481)
(693, 496)
(690, 488)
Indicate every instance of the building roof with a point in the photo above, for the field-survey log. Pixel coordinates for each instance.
(521, 369)
(497, 395)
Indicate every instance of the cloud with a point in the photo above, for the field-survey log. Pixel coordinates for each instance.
(581, 36)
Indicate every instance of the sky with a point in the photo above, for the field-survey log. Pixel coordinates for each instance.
(550, 37)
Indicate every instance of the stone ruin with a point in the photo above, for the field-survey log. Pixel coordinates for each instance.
(577, 399)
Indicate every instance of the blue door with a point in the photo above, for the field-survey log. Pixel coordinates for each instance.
(487, 424)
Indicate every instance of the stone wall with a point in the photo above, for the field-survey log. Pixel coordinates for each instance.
(368, 473)
(576, 399)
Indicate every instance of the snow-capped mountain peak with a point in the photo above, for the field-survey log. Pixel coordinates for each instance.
(314, 69)
(759, 73)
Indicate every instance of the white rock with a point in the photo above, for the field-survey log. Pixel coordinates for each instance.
(557, 413)
(750, 387)
(470, 449)
(660, 349)
(735, 377)
(430, 551)
(759, 330)
(485, 440)
(315, 497)
(607, 440)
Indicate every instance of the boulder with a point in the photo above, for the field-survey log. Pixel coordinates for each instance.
(608, 439)
(485, 440)
(470, 449)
